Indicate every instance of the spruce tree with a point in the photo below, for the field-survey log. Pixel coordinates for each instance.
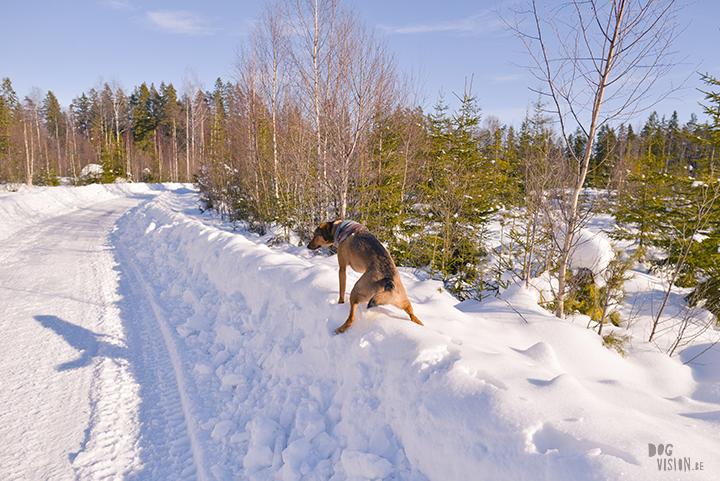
(53, 116)
(384, 190)
(603, 157)
(705, 265)
(144, 116)
(457, 196)
(642, 206)
(9, 105)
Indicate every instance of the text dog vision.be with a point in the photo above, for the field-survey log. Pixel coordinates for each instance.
(666, 462)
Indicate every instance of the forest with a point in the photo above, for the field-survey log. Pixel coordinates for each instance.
(318, 122)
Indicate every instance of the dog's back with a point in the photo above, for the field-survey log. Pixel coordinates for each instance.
(365, 250)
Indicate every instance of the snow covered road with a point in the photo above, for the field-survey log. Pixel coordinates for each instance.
(144, 340)
(68, 397)
(89, 389)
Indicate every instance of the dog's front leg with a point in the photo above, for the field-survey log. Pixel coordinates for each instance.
(343, 279)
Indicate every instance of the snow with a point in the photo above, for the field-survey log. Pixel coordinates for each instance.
(91, 170)
(145, 340)
(594, 252)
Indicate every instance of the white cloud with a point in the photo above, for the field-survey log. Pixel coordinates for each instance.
(117, 5)
(473, 25)
(179, 21)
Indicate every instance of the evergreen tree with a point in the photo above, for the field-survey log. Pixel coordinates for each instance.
(144, 105)
(603, 158)
(525, 248)
(55, 127)
(221, 188)
(672, 142)
(712, 109)
(457, 198)
(576, 142)
(705, 263)
(53, 116)
(385, 187)
(501, 159)
(169, 121)
(82, 108)
(9, 105)
(641, 206)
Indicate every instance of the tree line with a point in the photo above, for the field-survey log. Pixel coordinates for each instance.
(150, 135)
(319, 123)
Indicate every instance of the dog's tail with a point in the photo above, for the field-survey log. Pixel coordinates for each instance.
(386, 295)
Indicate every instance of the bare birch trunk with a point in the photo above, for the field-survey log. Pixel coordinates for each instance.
(29, 155)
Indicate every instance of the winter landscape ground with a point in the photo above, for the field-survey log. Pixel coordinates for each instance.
(145, 340)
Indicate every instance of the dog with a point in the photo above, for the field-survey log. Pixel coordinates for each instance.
(358, 248)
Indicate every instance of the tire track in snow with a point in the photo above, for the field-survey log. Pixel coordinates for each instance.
(164, 441)
(176, 365)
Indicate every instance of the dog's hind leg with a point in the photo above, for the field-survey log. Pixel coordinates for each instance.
(402, 302)
(360, 293)
(351, 317)
(343, 278)
(409, 310)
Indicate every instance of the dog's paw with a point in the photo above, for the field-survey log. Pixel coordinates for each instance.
(341, 301)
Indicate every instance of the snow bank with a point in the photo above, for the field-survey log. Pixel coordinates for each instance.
(482, 392)
(31, 205)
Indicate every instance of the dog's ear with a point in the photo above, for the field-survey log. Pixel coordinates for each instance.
(326, 230)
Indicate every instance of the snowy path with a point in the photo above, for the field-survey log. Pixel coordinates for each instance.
(67, 391)
(90, 386)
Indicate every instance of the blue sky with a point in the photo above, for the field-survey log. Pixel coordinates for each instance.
(70, 46)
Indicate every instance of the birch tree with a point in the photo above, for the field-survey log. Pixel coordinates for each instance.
(601, 61)
(361, 87)
(312, 24)
(272, 48)
(195, 112)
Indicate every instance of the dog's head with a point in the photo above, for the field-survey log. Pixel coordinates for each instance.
(323, 235)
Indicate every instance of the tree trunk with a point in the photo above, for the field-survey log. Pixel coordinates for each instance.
(29, 155)
(572, 220)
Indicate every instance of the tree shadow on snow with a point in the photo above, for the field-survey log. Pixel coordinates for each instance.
(89, 344)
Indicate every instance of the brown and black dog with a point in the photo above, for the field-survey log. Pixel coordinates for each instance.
(358, 248)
